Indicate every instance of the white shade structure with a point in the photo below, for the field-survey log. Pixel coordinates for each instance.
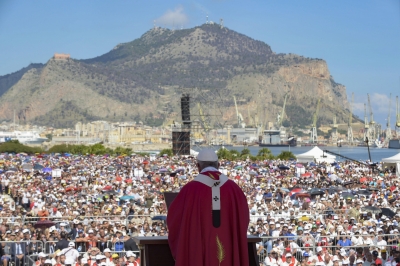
(315, 155)
(393, 161)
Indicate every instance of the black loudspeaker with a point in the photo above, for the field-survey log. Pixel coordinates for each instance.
(185, 110)
(181, 143)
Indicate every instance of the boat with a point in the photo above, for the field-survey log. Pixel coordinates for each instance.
(394, 144)
(24, 137)
(277, 145)
(277, 139)
(378, 144)
(314, 144)
(221, 145)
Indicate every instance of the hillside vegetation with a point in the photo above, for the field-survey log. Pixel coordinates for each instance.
(143, 79)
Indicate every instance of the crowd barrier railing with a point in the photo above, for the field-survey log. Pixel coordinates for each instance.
(121, 254)
(70, 219)
(352, 253)
(23, 252)
(83, 247)
(268, 242)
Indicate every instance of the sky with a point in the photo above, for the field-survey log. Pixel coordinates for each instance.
(359, 40)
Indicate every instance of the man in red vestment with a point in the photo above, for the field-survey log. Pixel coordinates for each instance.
(208, 220)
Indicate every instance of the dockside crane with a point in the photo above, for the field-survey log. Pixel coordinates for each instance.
(397, 117)
(251, 120)
(372, 126)
(262, 126)
(366, 124)
(239, 116)
(388, 129)
(334, 130)
(281, 116)
(314, 135)
(349, 128)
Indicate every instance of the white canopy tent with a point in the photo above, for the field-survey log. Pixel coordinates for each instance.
(393, 161)
(315, 155)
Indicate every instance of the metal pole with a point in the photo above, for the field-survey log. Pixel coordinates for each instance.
(369, 153)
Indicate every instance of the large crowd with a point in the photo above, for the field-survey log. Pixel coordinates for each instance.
(85, 210)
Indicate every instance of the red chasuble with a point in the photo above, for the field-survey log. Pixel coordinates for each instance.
(194, 240)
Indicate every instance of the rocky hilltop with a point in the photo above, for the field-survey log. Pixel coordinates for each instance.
(143, 79)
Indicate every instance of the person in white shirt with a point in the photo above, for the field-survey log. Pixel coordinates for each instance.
(131, 258)
(356, 240)
(55, 213)
(289, 260)
(366, 239)
(319, 257)
(381, 244)
(70, 252)
(272, 258)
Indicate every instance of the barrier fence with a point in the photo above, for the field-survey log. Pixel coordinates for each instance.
(127, 218)
(70, 219)
(305, 213)
(83, 246)
(26, 252)
(21, 252)
(298, 247)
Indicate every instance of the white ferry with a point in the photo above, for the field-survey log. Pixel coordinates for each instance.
(24, 137)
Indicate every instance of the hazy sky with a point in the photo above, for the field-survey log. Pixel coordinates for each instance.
(359, 39)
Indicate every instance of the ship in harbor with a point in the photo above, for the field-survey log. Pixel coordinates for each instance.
(277, 138)
(24, 137)
(394, 144)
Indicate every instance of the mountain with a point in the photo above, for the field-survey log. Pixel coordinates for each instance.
(143, 80)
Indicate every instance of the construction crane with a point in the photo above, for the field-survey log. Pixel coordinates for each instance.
(239, 116)
(334, 130)
(349, 128)
(262, 127)
(372, 126)
(280, 117)
(388, 129)
(397, 125)
(314, 135)
(366, 124)
(251, 120)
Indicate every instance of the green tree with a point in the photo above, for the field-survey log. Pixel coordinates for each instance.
(245, 152)
(168, 152)
(15, 147)
(235, 154)
(286, 155)
(98, 149)
(49, 136)
(224, 154)
(61, 148)
(264, 152)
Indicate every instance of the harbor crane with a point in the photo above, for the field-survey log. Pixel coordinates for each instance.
(397, 125)
(314, 135)
(334, 130)
(372, 126)
(388, 129)
(262, 126)
(280, 117)
(251, 120)
(349, 128)
(366, 124)
(239, 116)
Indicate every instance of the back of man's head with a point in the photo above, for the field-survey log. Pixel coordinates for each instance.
(206, 158)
